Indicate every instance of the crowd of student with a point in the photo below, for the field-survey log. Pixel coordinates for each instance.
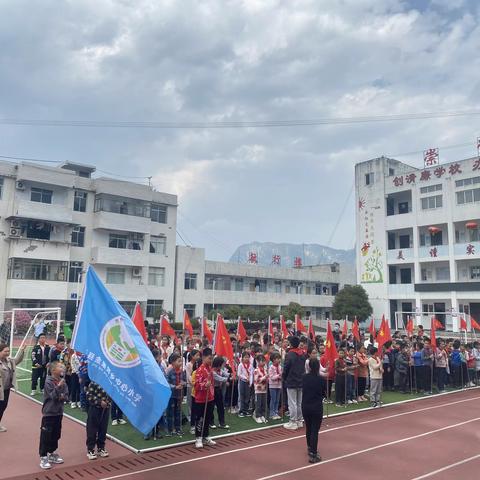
(271, 379)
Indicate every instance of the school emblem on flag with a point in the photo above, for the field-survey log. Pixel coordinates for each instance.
(117, 344)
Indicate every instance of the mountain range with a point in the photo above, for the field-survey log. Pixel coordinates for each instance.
(309, 253)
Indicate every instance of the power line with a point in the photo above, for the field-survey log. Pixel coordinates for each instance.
(235, 124)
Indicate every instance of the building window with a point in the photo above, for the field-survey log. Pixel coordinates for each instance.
(117, 240)
(158, 213)
(158, 245)
(442, 273)
(115, 275)
(391, 172)
(1, 187)
(475, 272)
(41, 195)
(78, 236)
(156, 276)
(369, 178)
(190, 309)
(38, 230)
(80, 201)
(129, 307)
(75, 272)
(36, 269)
(431, 188)
(239, 284)
(154, 308)
(190, 281)
(468, 196)
(318, 289)
(432, 202)
(277, 286)
(467, 181)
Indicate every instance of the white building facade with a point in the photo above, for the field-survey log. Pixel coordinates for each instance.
(56, 221)
(418, 242)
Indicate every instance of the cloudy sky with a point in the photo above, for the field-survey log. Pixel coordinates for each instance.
(250, 60)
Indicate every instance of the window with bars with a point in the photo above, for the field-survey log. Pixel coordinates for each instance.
(78, 236)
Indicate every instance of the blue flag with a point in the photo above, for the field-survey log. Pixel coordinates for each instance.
(118, 358)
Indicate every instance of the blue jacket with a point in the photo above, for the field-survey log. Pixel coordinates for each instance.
(417, 359)
(456, 358)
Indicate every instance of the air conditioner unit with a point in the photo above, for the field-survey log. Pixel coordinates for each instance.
(15, 232)
(136, 272)
(19, 185)
(15, 224)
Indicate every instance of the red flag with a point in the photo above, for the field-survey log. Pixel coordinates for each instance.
(206, 332)
(438, 323)
(433, 335)
(299, 326)
(241, 332)
(410, 327)
(187, 324)
(463, 324)
(330, 347)
(284, 327)
(166, 328)
(311, 331)
(345, 329)
(139, 322)
(356, 330)
(372, 330)
(223, 344)
(383, 335)
(474, 323)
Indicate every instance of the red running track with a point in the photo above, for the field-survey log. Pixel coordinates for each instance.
(436, 438)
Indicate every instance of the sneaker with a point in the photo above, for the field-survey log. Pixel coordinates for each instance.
(291, 426)
(192, 431)
(213, 426)
(276, 417)
(349, 402)
(55, 458)
(258, 419)
(101, 452)
(91, 455)
(3, 429)
(168, 434)
(208, 441)
(354, 401)
(44, 463)
(300, 424)
(264, 420)
(79, 404)
(122, 421)
(179, 433)
(73, 405)
(224, 427)
(241, 415)
(374, 405)
(33, 393)
(114, 423)
(198, 443)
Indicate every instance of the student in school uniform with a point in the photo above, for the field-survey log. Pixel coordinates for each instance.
(275, 384)
(245, 382)
(260, 380)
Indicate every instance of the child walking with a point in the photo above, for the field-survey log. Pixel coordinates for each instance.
(260, 377)
(55, 394)
(97, 420)
(275, 385)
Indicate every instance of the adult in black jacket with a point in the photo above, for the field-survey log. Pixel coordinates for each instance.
(293, 371)
(312, 408)
(40, 360)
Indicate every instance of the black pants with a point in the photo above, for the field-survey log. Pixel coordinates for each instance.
(313, 422)
(193, 415)
(220, 406)
(50, 433)
(97, 424)
(39, 373)
(200, 411)
(74, 388)
(340, 389)
(4, 402)
(116, 413)
(362, 383)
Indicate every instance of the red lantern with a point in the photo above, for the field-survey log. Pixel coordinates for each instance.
(433, 230)
(471, 225)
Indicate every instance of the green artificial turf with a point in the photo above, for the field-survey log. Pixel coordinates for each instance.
(131, 436)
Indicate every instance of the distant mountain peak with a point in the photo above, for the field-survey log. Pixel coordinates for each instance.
(268, 253)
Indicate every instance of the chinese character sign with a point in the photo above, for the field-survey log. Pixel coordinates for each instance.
(431, 157)
(252, 258)
(470, 249)
(297, 262)
(478, 146)
(276, 260)
(118, 358)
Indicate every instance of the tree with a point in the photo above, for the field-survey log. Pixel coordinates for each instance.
(266, 312)
(352, 300)
(291, 310)
(232, 312)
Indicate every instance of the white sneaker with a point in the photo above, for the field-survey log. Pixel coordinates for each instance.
(198, 443)
(349, 402)
(91, 455)
(300, 424)
(102, 453)
(354, 401)
(3, 429)
(258, 419)
(33, 393)
(122, 421)
(208, 441)
(55, 458)
(290, 426)
(79, 404)
(114, 423)
(276, 417)
(73, 405)
(44, 463)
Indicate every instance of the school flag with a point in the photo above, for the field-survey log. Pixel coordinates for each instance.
(345, 329)
(241, 332)
(139, 322)
(475, 325)
(206, 332)
(187, 324)
(311, 331)
(356, 330)
(463, 324)
(223, 345)
(372, 330)
(118, 359)
(410, 327)
(299, 326)
(284, 328)
(166, 328)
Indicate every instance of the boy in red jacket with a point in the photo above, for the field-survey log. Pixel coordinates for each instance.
(204, 400)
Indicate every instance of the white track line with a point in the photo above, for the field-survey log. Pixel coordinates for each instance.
(370, 449)
(447, 467)
(242, 449)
